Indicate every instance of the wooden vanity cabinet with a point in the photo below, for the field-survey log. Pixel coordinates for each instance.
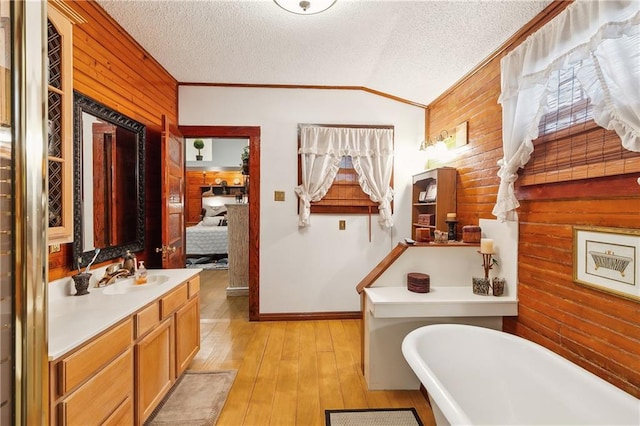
(119, 377)
(155, 371)
(93, 384)
(164, 354)
(187, 334)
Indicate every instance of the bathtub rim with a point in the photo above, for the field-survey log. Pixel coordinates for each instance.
(454, 414)
(436, 391)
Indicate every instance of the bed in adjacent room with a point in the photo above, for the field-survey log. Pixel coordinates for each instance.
(209, 236)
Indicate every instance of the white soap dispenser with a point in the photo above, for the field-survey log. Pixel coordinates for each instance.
(141, 273)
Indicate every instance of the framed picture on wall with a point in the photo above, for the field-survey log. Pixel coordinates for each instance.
(607, 259)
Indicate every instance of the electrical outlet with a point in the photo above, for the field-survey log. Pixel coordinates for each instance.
(54, 248)
(278, 195)
(342, 225)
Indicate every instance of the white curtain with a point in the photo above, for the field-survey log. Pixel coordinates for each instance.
(371, 151)
(603, 39)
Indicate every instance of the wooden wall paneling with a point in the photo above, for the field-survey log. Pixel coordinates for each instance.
(97, 61)
(100, 71)
(121, 46)
(112, 68)
(596, 330)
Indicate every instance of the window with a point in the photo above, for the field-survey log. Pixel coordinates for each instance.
(570, 145)
(332, 162)
(345, 195)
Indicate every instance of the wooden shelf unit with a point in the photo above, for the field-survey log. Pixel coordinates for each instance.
(444, 179)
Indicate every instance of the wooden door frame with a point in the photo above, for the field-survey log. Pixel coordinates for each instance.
(253, 134)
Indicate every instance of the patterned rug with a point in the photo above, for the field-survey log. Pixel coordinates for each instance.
(196, 399)
(215, 265)
(373, 417)
(207, 263)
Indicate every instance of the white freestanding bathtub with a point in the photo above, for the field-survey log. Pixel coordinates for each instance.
(479, 376)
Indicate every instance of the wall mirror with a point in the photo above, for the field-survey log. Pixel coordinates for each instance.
(108, 186)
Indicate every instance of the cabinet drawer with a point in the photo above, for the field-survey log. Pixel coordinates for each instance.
(194, 286)
(173, 300)
(123, 414)
(147, 319)
(102, 396)
(83, 363)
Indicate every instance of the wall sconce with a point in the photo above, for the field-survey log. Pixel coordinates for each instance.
(437, 148)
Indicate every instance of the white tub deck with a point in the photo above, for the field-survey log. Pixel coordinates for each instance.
(391, 311)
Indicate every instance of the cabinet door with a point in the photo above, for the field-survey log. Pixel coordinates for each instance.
(187, 334)
(155, 371)
(103, 397)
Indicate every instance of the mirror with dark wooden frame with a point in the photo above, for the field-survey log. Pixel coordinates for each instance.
(108, 187)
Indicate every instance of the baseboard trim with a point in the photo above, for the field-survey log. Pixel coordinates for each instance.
(237, 291)
(308, 316)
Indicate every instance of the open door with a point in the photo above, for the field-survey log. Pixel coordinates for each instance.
(172, 171)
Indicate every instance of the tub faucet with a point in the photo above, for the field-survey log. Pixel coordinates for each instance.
(113, 272)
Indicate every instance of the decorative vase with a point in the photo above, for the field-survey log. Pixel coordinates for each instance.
(481, 285)
(497, 284)
(81, 282)
(245, 166)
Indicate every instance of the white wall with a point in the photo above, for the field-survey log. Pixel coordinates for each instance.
(315, 269)
(217, 154)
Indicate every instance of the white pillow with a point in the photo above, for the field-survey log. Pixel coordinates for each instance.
(215, 210)
(212, 221)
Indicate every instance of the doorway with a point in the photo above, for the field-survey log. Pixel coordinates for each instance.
(252, 133)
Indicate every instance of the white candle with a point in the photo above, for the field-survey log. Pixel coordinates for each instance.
(451, 216)
(486, 246)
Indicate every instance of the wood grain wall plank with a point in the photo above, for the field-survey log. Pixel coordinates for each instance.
(596, 330)
(112, 68)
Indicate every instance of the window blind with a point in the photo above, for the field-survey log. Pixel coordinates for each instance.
(570, 145)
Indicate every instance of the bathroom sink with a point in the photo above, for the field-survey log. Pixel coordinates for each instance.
(128, 285)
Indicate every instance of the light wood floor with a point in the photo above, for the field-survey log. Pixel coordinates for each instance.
(289, 372)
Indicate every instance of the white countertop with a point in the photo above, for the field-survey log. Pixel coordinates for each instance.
(452, 301)
(72, 320)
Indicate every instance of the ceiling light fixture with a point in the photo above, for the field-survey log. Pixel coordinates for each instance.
(305, 7)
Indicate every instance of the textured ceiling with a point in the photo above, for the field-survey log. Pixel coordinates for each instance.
(410, 49)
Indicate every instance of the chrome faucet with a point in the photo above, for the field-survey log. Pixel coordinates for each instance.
(113, 272)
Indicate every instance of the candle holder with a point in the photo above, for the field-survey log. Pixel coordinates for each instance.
(487, 263)
(451, 235)
(482, 285)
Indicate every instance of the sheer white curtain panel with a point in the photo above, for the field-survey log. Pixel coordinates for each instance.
(603, 39)
(371, 151)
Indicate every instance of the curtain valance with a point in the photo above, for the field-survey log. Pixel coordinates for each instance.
(371, 151)
(602, 40)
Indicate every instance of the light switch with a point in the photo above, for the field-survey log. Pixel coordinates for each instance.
(342, 225)
(278, 195)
